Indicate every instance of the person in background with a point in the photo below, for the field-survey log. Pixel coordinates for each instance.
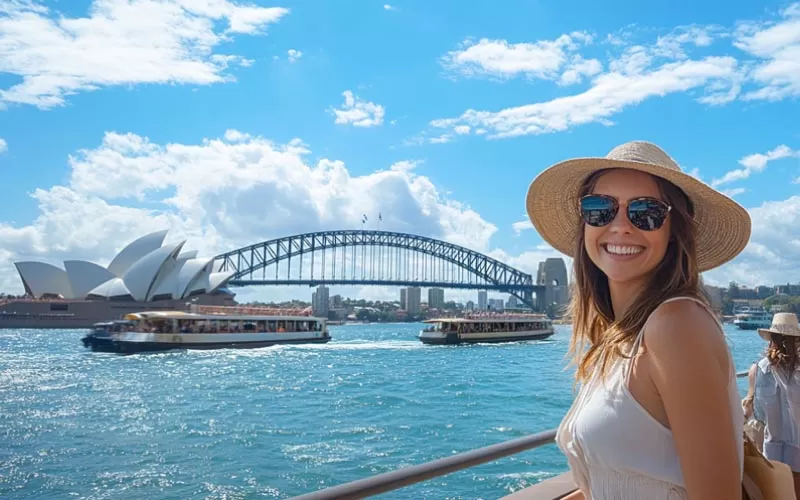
(774, 394)
(658, 413)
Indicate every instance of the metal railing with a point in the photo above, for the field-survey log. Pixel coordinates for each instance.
(400, 478)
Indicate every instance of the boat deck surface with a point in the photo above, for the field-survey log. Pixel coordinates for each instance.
(549, 489)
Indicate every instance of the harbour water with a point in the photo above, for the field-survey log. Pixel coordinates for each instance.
(278, 421)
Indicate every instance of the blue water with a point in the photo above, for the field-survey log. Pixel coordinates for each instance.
(278, 421)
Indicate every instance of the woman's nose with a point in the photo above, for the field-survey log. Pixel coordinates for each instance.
(621, 223)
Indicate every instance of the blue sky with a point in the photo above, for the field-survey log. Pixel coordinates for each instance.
(218, 119)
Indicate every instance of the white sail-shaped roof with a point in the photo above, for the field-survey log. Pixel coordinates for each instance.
(189, 254)
(142, 275)
(135, 251)
(40, 278)
(143, 271)
(166, 285)
(85, 276)
(113, 288)
(199, 283)
(190, 273)
(216, 280)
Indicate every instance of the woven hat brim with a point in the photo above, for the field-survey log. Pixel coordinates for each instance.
(766, 333)
(722, 226)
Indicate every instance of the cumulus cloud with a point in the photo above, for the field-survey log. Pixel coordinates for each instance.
(121, 42)
(776, 44)
(766, 66)
(221, 194)
(224, 193)
(609, 94)
(3, 145)
(521, 226)
(773, 254)
(294, 55)
(358, 112)
(755, 163)
(546, 59)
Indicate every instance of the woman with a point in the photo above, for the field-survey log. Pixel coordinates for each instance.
(775, 393)
(658, 415)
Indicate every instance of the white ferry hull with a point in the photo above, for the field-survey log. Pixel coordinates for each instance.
(440, 338)
(135, 342)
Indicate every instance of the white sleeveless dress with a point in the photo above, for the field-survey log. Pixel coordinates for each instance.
(616, 450)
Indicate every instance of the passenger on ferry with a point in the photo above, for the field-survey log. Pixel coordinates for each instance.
(658, 415)
(774, 395)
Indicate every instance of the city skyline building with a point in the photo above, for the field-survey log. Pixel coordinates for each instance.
(320, 301)
(413, 299)
(436, 298)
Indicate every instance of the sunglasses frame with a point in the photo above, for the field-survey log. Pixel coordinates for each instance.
(615, 208)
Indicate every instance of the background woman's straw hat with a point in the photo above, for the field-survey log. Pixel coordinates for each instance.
(722, 225)
(782, 323)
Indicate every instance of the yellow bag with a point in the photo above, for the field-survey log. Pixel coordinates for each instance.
(765, 479)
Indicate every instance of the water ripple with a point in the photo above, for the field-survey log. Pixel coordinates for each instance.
(278, 421)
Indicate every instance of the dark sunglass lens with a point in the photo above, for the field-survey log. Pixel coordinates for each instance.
(597, 211)
(647, 215)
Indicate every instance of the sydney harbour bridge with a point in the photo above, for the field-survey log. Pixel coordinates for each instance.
(373, 257)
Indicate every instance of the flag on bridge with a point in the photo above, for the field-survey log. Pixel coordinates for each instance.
(364, 219)
(380, 217)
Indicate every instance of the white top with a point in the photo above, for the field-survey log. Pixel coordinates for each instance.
(616, 450)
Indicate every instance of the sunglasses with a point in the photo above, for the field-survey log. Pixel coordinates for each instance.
(646, 214)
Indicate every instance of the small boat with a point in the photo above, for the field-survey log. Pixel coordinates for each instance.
(752, 318)
(487, 327)
(206, 327)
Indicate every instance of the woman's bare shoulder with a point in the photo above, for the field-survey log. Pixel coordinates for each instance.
(682, 331)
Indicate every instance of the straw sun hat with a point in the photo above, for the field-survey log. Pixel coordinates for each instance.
(722, 225)
(782, 323)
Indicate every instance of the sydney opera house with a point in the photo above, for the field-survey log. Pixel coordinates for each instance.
(145, 275)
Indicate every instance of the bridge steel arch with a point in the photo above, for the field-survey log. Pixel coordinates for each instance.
(476, 271)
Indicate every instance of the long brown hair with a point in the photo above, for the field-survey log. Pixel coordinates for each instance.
(593, 320)
(782, 351)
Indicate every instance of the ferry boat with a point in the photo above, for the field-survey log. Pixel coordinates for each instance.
(487, 327)
(752, 318)
(206, 327)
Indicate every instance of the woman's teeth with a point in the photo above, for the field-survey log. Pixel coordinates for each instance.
(623, 249)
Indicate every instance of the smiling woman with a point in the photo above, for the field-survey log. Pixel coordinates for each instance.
(657, 366)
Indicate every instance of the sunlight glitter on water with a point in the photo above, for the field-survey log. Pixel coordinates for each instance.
(277, 421)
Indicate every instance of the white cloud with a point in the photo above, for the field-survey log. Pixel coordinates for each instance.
(522, 225)
(294, 55)
(120, 42)
(672, 44)
(3, 145)
(224, 193)
(755, 163)
(221, 194)
(386, 6)
(578, 68)
(358, 112)
(528, 261)
(544, 59)
(777, 44)
(773, 254)
(734, 192)
(766, 67)
(609, 94)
